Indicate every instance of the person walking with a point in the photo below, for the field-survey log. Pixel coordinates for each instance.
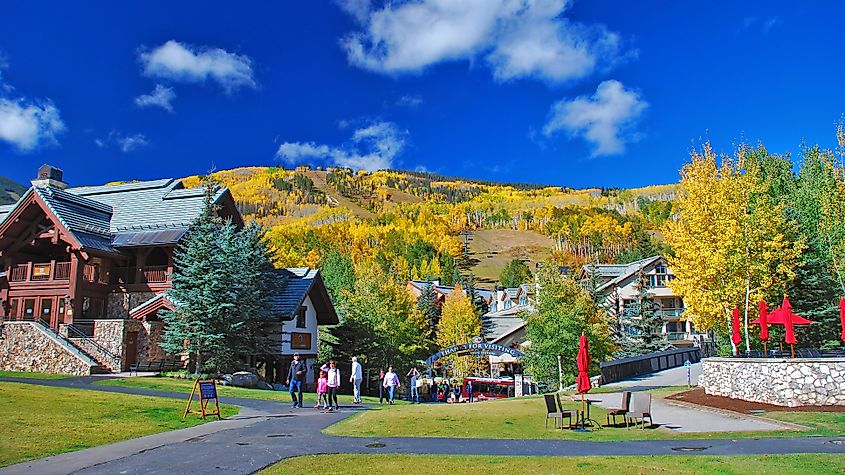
(296, 375)
(322, 391)
(432, 390)
(381, 386)
(333, 384)
(356, 376)
(469, 390)
(390, 383)
(412, 386)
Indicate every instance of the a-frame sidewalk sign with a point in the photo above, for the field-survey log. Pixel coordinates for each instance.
(207, 391)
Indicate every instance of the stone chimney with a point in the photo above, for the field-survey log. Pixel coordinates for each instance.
(49, 176)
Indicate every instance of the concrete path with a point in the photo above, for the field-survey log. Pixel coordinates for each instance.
(668, 377)
(267, 432)
(679, 417)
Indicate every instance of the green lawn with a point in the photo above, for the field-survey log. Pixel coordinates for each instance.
(523, 418)
(38, 421)
(31, 375)
(185, 385)
(817, 464)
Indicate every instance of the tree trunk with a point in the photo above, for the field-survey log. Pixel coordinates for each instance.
(199, 362)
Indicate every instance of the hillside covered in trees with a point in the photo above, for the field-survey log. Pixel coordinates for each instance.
(419, 225)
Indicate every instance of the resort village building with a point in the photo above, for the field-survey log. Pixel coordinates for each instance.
(86, 270)
(618, 282)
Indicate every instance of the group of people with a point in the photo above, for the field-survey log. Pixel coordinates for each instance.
(329, 381)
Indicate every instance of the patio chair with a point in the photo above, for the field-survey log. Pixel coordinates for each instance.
(622, 410)
(640, 408)
(552, 411)
(568, 413)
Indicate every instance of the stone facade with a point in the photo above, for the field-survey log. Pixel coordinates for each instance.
(26, 347)
(119, 304)
(782, 382)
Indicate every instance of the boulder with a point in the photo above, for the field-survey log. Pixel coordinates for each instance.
(244, 379)
(264, 385)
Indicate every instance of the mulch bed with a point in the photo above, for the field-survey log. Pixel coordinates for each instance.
(697, 396)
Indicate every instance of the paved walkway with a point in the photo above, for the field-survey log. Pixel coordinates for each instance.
(679, 417)
(266, 432)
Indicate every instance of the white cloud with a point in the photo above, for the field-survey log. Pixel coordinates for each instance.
(26, 124)
(185, 63)
(371, 148)
(161, 96)
(517, 38)
(765, 24)
(410, 101)
(126, 143)
(604, 119)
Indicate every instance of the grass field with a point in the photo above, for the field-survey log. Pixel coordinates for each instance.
(31, 375)
(491, 249)
(816, 464)
(524, 419)
(38, 421)
(185, 385)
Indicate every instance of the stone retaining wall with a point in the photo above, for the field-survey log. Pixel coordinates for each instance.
(782, 382)
(25, 347)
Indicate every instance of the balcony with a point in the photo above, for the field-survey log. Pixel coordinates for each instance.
(40, 272)
(671, 312)
(149, 275)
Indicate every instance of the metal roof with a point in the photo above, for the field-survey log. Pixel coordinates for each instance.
(132, 214)
(301, 282)
(149, 238)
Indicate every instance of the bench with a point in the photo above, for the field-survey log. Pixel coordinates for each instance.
(155, 366)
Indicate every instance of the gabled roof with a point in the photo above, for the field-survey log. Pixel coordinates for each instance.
(106, 218)
(151, 306)
(302, 282)
(444, 290)
(620, 272)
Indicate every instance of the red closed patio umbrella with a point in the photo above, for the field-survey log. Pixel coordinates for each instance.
(842, 318)
(764, 326)
(736, 338)
(583, 382)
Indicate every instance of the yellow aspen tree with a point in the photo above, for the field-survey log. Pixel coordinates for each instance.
(458, 324)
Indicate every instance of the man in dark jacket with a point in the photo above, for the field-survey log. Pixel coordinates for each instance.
(296, 375)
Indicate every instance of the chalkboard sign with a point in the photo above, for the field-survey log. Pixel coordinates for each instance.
(206, 389)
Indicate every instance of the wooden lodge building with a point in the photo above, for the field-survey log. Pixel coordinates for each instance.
(84, 272)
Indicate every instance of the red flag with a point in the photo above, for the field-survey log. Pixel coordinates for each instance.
(736, 338)
(842, 317)
(583, 381)
(764, 324)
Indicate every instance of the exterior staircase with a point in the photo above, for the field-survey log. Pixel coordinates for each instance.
(81, 348)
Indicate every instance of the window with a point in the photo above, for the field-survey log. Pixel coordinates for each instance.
(13, 307)
(629, 307)
(300, 319)
(300, 341)
(46, 309)
(29, 308)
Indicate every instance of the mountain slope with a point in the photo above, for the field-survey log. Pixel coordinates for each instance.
(10, 191)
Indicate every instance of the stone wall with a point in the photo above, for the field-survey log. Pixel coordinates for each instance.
(119, 304)
(26, 347)
(782, 382)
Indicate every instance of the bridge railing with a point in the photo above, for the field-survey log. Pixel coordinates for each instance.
(622, 369)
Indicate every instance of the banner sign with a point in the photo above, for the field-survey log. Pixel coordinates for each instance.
(206, 389)
(475, 348)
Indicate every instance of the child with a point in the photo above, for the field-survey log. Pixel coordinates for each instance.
(322, 391)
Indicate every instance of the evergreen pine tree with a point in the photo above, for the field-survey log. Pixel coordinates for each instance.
(427, 305)
(645, 321)
(198, 291)
(814, 295)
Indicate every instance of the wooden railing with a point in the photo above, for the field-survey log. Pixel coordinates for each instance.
(150, 274)
(156, 274)
(39, 272)
(19, 273)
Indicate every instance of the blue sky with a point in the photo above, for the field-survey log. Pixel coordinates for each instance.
(590, 93)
